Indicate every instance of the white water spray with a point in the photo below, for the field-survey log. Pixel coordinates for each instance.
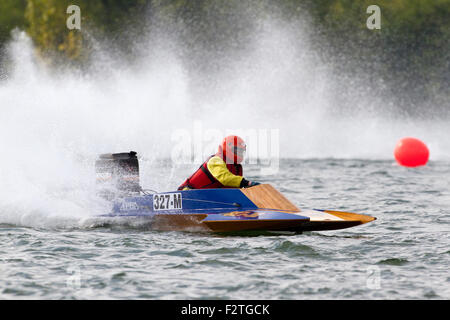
(52, 127)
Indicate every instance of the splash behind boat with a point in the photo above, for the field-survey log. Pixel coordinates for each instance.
(259, 208)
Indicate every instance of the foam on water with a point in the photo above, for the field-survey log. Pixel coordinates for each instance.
(52, 126)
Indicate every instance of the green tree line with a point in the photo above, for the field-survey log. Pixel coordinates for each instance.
(410, 51)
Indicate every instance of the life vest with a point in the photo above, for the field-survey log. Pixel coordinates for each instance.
(203, 179)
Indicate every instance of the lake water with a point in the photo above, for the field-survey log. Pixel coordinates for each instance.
(51, 254)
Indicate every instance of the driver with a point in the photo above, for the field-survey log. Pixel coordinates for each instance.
(221, 170)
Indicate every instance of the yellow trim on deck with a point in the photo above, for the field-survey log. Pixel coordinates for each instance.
(349, 216)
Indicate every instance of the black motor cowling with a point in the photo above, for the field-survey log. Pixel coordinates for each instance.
(117, 174)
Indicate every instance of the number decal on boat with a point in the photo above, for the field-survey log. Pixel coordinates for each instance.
(167, 201)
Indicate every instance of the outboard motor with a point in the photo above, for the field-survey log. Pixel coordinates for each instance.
(117, 175)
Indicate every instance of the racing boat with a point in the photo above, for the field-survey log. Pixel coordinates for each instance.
(258, 208)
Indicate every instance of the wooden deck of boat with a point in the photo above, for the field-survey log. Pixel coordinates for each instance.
(267, 197)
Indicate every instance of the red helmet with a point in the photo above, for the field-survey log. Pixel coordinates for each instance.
(232, 149)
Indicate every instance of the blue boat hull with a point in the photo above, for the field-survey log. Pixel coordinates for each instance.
(229, 210)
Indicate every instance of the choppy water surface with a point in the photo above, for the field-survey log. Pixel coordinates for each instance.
(271, 79)
(403, 254)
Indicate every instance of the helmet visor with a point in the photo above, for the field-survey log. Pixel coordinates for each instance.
(239, 151)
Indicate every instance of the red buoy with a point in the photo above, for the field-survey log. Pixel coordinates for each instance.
(411, 152)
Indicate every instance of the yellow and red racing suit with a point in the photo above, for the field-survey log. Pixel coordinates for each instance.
(215, 173)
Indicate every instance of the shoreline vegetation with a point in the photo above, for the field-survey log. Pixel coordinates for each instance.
(409, 56)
